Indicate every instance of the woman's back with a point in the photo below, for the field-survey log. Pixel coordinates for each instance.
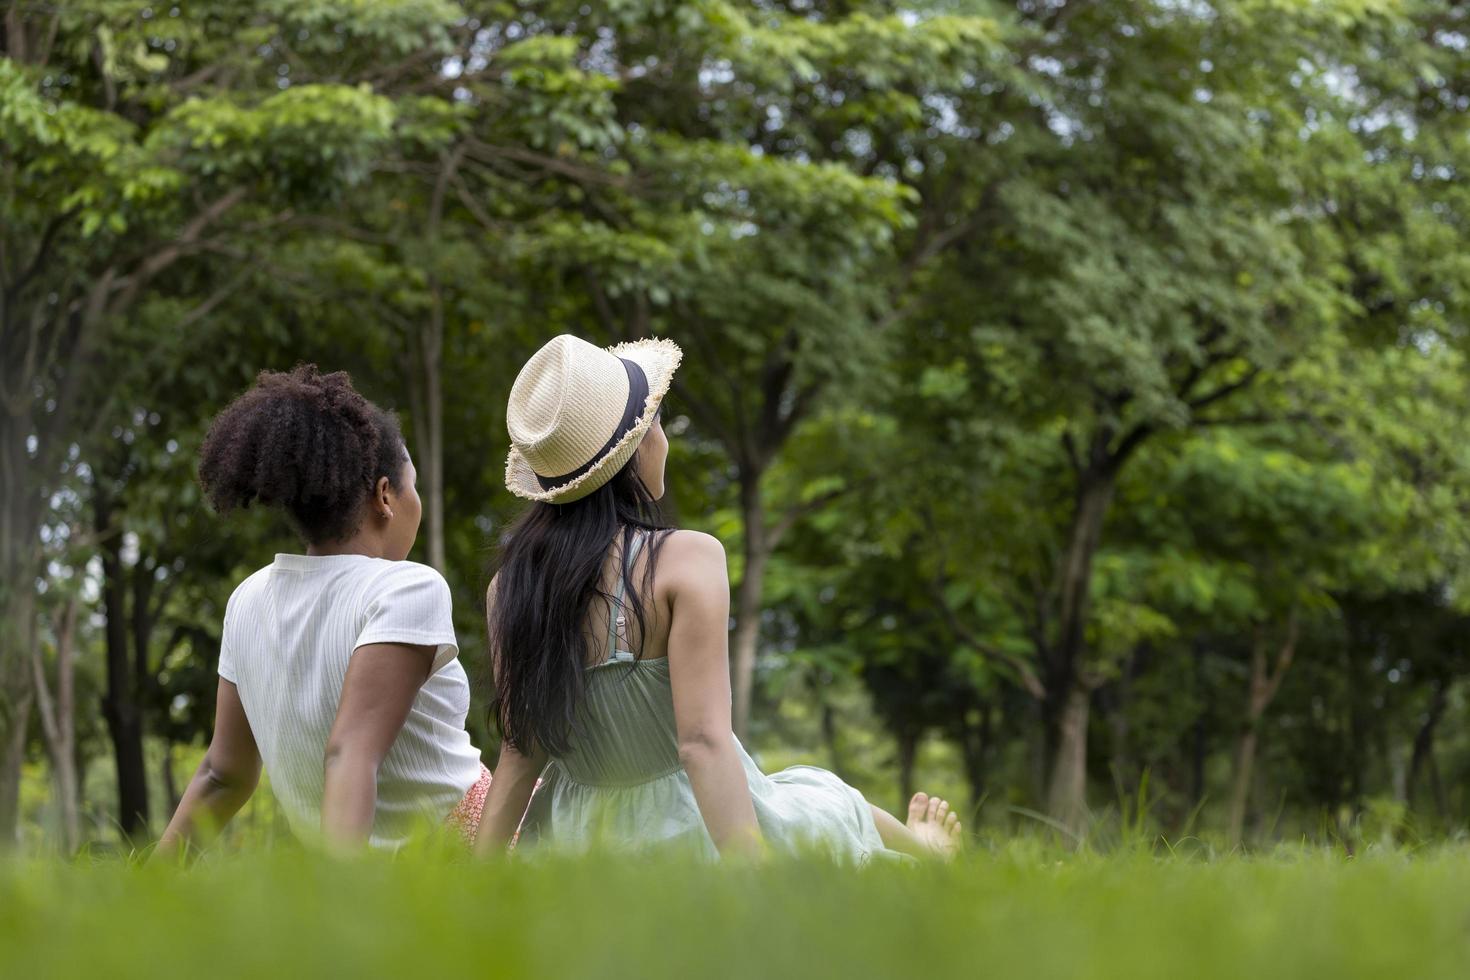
(336, 666)
(621, 782)
(626, 732)
(290, 632)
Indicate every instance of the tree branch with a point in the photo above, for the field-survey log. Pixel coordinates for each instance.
(64, 625)
(1283, 658)
(175, 250)
(1224, 390)
(1029, 682)
(213, 300)
(1261, 418)
(1027, 678)
(1070, 445)
(489, 153)
(732, 435)
(601, 305)
(775, 373)
(48, 238)
(1131, 442)
(793, 514)
(462, 191)
(436, 201)
(703, 411)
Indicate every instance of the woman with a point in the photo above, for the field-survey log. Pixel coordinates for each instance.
(338, 666)
(608, 635)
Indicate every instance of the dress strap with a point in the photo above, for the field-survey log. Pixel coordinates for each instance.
(616, 620)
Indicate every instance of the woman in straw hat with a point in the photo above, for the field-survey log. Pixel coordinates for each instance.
(608, 636)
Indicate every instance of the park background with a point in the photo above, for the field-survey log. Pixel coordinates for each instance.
(1078, 387)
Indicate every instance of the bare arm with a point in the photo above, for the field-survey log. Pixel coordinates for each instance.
(223, 782)
(511, 785)
(699, 667)
(510, 793)
(377, 693)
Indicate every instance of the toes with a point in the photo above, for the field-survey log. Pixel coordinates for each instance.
(952, 821)
(933, 808)
(942, 812)
(917, 805)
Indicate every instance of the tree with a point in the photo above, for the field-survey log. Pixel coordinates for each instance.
(756, 229)
(1160, 245)
(135, 144)
(1039, 355)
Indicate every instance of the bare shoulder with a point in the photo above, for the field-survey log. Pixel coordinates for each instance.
(693, 546)
(692, 559)
(490, 591)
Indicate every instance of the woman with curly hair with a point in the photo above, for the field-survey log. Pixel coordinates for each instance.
(338, 666)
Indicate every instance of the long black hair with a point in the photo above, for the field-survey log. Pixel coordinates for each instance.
(547, 576)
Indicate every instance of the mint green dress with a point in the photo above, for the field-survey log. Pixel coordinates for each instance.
(620, 785)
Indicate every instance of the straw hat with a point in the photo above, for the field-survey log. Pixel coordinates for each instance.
(577, 413)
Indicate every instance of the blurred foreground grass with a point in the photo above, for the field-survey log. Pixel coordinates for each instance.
(1019, 912)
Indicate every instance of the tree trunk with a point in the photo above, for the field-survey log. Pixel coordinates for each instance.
(1094, 497)
(429, 359)
(1069, 694)
(1198, 744)
(1127, 774)
(1263, 687)
(433, 343)
(142, 620)
(58, 722)
(908, 753)
(1358, 725)
(15, 701)
(12, 759)
(1422, 759)
(426, 394)
(120, 706)
(1436, 786)
(68, 791)
(975, 755)
(170, 784)
(1066, 796)
(18, 544)
(746, 638)
(1240, 784)
(830, 738)
(1039, 750)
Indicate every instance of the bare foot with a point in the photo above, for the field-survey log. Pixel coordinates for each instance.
(935, 825)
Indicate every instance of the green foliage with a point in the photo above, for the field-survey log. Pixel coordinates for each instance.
(941, 273)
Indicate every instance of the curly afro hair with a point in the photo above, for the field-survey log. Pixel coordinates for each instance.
(306, 442)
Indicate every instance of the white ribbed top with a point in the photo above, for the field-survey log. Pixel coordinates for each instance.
(290, 631)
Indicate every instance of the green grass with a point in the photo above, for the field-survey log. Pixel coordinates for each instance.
(1023, 911)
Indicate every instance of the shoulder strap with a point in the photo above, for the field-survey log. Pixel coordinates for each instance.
(616, 619)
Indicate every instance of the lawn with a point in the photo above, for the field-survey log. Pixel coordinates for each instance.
(1019, 910)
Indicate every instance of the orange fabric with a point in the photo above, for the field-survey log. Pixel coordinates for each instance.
(465, 817)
